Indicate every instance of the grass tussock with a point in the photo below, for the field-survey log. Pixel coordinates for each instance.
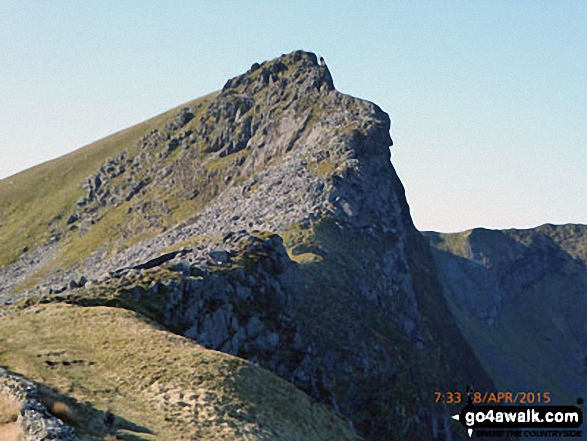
(65, 411)
(9, 410)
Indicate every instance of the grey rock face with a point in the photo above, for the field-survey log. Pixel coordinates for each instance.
(296, 168)
(36, 422)
(184, 116)
(329, 290)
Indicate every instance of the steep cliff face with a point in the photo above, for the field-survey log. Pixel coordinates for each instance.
(519, 296)
(266, 221)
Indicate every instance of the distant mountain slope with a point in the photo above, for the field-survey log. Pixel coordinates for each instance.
(520, 297)
(266, 222)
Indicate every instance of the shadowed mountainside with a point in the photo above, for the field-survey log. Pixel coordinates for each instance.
(519, 296)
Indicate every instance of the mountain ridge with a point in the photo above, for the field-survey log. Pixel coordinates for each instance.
(523, 288)
(265, 221)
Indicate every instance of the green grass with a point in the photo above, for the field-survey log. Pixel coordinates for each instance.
(454, 243)
(157, 380)
(30, 199)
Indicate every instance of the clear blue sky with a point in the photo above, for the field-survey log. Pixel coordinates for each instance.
(488, 98)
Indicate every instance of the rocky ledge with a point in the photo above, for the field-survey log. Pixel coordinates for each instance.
(35, 421)
(266, 221)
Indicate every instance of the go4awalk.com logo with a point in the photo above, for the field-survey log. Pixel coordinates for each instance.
(531, 421)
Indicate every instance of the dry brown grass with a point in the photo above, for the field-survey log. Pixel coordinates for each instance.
(8, 410)
(88, 421)
(9, 429)
(64, 412)
(10, 432)
(153, 380)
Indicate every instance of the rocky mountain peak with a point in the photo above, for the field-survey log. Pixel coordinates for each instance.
(299, 68)
(279, 135)
(266, 221)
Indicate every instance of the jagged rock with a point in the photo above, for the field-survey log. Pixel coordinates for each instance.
(219, 257)
(35, 421)
(334, 269)
(57, 290)
(184, 116)
(254, 327)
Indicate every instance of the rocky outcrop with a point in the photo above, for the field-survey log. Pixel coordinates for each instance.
(35, 421)
(269, 223)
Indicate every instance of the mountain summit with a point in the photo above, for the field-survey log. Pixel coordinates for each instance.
(264, 221)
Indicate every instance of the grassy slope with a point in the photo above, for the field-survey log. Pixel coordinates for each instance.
(28, 202)
(65, 176)
(155, 379)
(32, 198)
